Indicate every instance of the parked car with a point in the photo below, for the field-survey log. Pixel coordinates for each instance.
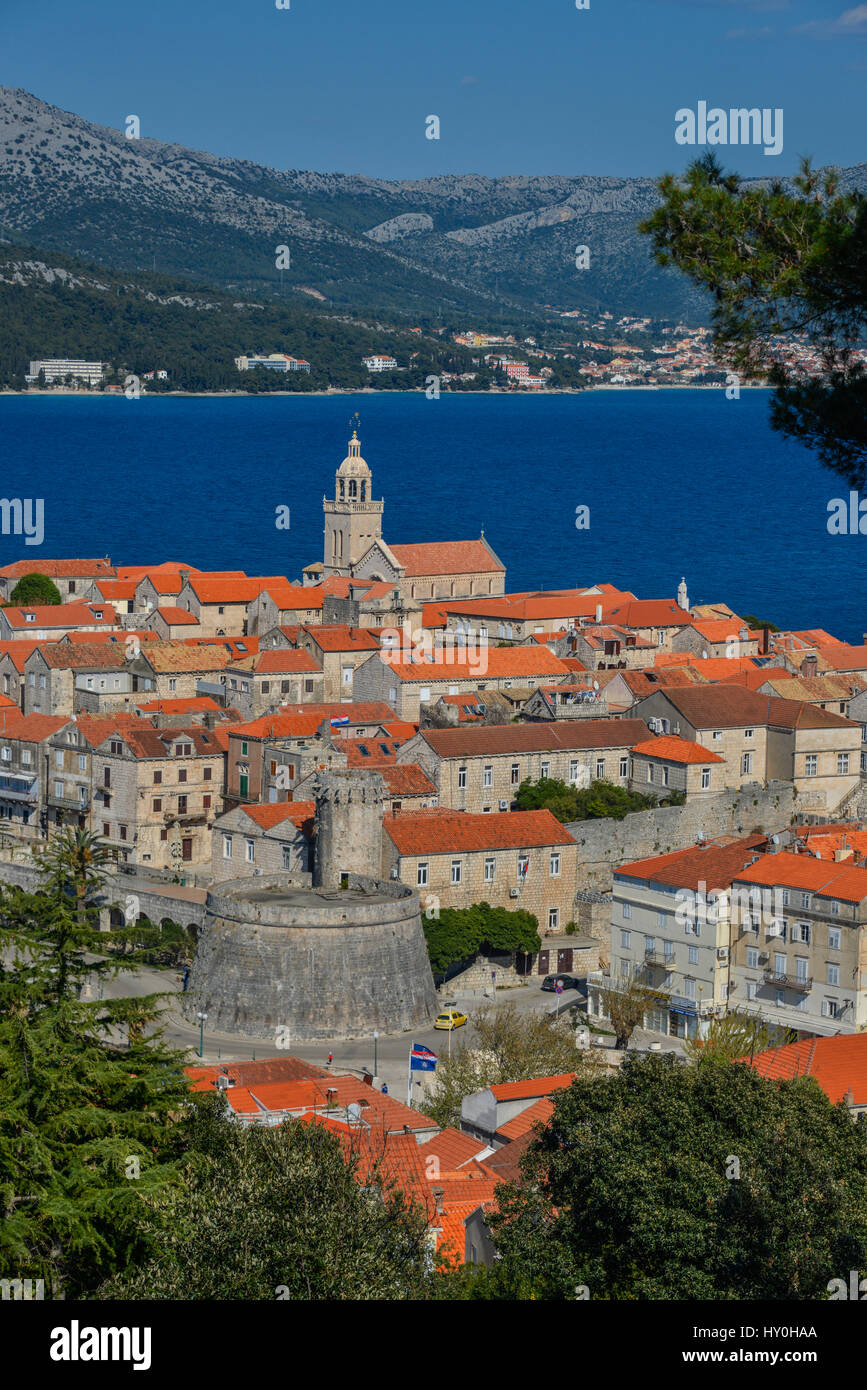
(449, 1019)
(569, 982)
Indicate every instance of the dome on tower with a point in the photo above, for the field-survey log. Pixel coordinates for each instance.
(354, 466)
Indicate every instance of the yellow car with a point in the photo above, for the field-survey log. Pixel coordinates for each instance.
(449, 1019)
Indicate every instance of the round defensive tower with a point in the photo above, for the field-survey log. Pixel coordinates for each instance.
(336, 954)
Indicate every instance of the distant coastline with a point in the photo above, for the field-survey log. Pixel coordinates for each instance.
(374, 391)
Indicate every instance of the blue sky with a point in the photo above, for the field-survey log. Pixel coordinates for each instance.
(520, 86)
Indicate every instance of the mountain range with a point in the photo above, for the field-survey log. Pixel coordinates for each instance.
(485, 249)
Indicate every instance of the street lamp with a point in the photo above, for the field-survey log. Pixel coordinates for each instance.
(201, 1017)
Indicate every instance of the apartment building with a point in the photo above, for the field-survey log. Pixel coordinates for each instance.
(44, 773)
(522, 859)
(799, 943)
(670, 931)
(480, 769)
(157, 792)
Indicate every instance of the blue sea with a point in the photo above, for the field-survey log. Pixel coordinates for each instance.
(677, 482)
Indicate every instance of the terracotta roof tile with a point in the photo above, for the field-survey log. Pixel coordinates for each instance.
(452, 1147)
(451, 832)
(543, 737)
(533, 1087)
(407, 779)
(676, 750)
(715, 864)
(447, 557)
(838, 1064)
(844, 881)
(537, 1114)
(270, 813)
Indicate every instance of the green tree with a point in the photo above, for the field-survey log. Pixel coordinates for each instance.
(599, 801)
(87, 1101)
(459, 933)
(735, 1036)
(277, 1214)
(625, 1003)
(780, 260)
(509, 1046)
(666, 1181)
(35, 589)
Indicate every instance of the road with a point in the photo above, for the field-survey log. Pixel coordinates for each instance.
(350, 1054)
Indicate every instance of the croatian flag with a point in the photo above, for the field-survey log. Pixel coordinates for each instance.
(343, 720)
(422, 1059)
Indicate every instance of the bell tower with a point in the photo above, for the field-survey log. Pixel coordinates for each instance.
(353, 520)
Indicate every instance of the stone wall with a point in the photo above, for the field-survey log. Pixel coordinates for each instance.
(604, 845)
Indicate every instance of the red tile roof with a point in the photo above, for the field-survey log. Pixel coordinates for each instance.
(177, 617)
(61, 569)
(649, 612)
(268, 814)
(844, 881)
(33, 728)
(530, 738)
(676, 750)
(838, 1064)
(450, 832)
(407, 779)
(537, 1086)
(343, 639)
(447, 557)
(452, 1148)
(537, 1114)
(61, 615)
(494, 663)
(248, 1073)
(715, 864)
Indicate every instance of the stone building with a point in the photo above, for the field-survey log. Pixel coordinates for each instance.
(53, 672)
(157, 792)
(481, 769)
(265, 681)
(267, 839)
(665, 764)
(518, 859)
(408, 685)
(72, 577)
(35, 765)
(338, 652)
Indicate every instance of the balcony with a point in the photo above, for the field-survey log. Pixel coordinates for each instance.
(801, 986)
(19, 789)
(658, 959)
(68, 803)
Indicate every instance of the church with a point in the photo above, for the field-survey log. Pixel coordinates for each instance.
(355, 549)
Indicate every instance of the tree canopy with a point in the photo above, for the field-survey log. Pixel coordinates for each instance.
(599, 801)
(35, 589)
(459, 933)
(782, 261)
(666, 1181)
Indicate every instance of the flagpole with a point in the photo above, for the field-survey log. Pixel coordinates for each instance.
(409, 1076)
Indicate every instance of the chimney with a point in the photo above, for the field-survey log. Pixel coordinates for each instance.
(809, 666)
(183, 575)
(438, 1193)
(331, 1095)
(843, 853)
(599, 612)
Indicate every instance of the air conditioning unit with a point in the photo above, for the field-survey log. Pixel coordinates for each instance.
(655, 725)
(513, 892)
(722, 953)
(504, 805)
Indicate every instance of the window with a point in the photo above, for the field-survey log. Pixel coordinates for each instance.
(626, 910)
(600, 769)
(842, 764)
(573, 770)
(227, 846)
(421, 876)
(780, 998)
(206, 774)
(206, 802)
(545, 768)
(705, 778)
(58, 758)
(182, 774)
(462, 777)
(123, 832)
(668, 947)
(158, 803)
(106, 830)
(58, 789)
(625, 938)
(833, 974)
(693, 955)
(82, 762)
(649, 945)
(805, 900)
(106, 776)
(835, 908)
(265, 687)
(665, 776)
(752, 958)
(456, 871)
(785, 897)
(173, 683)
(158, 777)
(746, 762)
(802, 970)
(182, 805)
(810, 765)
(488, 776)
(716, 735)
(829, 1008)
(748, 733)
(650, 772)
(751, 989)
(555, 865)
(489, 870)
(624, 767)
(779, 963)
(116, 747)
(27, 758)
(244, 749)
(523, 865)
(833, 938)
(515, 774)
(553, 918)
(689, 989)
(250, 851)
(6, 755)
(287, 856)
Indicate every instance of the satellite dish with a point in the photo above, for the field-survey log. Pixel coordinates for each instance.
(354, 1111)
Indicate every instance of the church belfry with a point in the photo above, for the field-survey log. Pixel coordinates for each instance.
(353, 520)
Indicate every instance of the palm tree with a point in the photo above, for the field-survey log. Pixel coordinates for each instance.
(75, 864)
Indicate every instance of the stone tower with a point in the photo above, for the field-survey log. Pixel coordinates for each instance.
(682, 597)
(353, 520)
(348, 822)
